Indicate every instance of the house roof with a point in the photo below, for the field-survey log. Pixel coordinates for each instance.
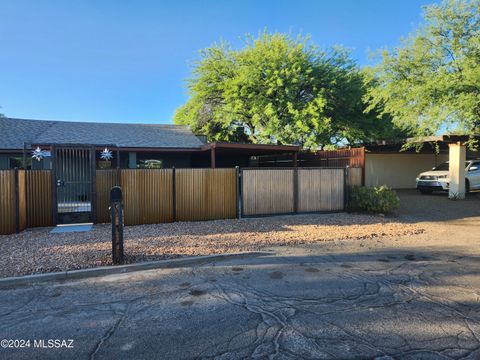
(14, 132)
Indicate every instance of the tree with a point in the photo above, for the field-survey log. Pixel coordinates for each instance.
(431, 83)
(278, 89)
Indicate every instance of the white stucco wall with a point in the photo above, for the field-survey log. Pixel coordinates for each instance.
(398, 170)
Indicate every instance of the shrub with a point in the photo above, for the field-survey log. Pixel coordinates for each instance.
(377, 200)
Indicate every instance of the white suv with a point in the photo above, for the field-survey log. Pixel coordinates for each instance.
(437, 178)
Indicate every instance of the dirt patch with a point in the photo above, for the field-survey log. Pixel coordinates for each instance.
(38, 251)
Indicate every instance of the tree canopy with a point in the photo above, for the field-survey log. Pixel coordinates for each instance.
(279, 89)
(431, 83)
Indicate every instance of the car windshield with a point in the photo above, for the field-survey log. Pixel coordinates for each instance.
(444, 166)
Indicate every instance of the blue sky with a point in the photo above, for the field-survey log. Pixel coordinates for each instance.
(127, 61)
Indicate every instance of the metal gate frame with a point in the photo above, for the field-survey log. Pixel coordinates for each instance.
(92, 159)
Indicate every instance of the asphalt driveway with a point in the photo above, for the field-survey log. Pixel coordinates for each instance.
(401, 297)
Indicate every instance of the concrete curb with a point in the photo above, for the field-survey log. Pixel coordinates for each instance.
(121, 269)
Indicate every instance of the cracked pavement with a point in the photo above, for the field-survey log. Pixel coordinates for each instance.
(394, 298)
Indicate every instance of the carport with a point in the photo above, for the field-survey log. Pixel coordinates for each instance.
(388, 163)
(457, 156)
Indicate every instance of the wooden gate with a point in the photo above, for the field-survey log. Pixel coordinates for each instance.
(292, 190)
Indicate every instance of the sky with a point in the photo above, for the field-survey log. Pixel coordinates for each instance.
(127, 61)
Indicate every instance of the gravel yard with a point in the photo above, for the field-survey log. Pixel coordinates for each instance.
(37, 251)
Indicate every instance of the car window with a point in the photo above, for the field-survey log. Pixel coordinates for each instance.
(444, 166)
(477, 164)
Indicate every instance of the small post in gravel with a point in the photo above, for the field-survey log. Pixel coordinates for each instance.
(116, 214)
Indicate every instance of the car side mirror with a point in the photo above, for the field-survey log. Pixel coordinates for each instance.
(473, 168)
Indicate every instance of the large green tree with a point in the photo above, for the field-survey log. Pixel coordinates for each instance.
(279, 89)
(431, 83)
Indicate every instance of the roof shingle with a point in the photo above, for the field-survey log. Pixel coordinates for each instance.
(14, 132)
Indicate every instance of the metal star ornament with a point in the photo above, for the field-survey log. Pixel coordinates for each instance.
(106, 154)
(38, 154)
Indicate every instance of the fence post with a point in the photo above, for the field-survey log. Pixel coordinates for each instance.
(174, 195)
(54, 184)
(17, 202)
(295, 190)
(345, 188)
(363, 166)
(93, 187)
(118, 176)
(237, 186)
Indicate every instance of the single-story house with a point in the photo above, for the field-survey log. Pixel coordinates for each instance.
(128, 146)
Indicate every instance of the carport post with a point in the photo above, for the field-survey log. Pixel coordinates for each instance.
(457, 159)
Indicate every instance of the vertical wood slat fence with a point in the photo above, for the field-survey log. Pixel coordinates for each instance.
(39, 198)
(353, 158)
(286, 191)
(205, 194)
(267, 191)
(321, 190)
(151, 197)
(8, 216)
(25, 199)
(165, 195)
(355, 177)
(105, 180)
(147, 196)
(21, 200)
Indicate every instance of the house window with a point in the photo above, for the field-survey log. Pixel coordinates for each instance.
(150, 164)
(17, 162)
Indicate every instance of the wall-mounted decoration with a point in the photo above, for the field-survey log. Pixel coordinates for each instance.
(38, 154)
(106, 154)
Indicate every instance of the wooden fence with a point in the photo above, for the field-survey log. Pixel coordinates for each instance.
(21, 199)
(164, 195)
(205, 194)
(25, 200)
(355, 177)
(39, 198)
(267, 191)
(353, 157)
(147, 196)
(321, 190)
(105, 180)
(286, 191)
(7, 202)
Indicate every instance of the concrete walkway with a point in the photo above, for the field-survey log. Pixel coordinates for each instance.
(407, 298)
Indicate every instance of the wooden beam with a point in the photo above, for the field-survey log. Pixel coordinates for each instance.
(212, 157)
(272, 147)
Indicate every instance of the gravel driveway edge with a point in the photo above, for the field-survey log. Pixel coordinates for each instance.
(16, 281)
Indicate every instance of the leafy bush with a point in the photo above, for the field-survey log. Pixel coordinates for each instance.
(377, 200)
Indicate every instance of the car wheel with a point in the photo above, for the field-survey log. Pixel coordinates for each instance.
(426, 192)
(467, 186)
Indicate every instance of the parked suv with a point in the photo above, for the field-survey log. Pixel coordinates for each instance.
(437, 179)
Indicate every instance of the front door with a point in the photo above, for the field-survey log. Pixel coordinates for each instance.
(74, 174)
